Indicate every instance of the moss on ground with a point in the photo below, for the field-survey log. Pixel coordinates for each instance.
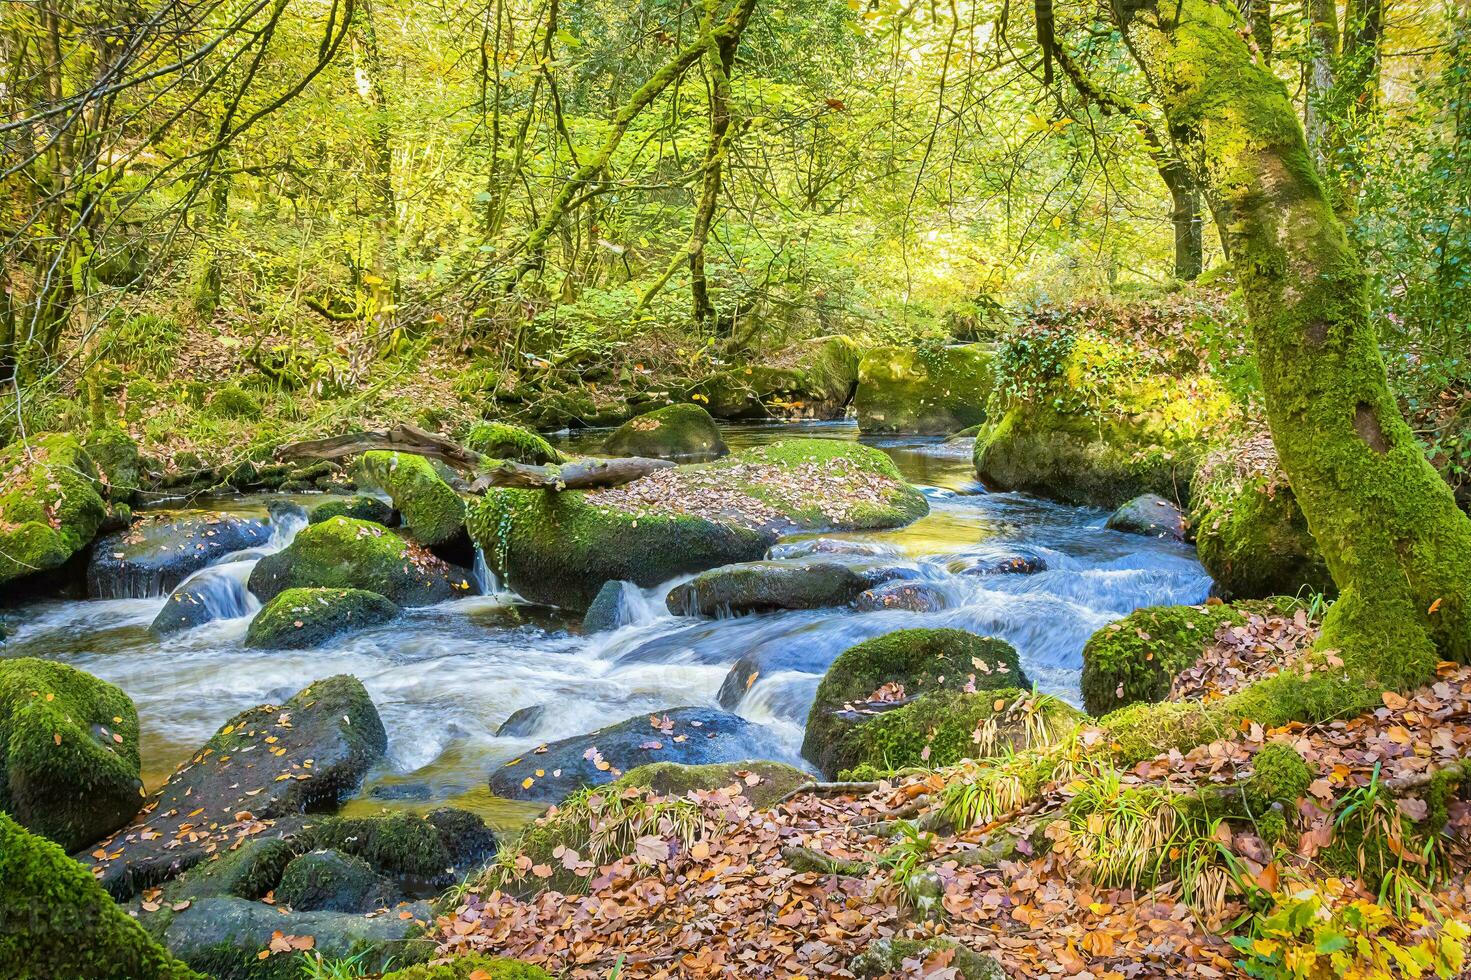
(500, 440)
(928, 391)
(68, 752)
(887, 957)
(1136, 658)
(56, 922)
(301, 618)
(432, 511)
(922, 660)
(50, 507)
(677, 431)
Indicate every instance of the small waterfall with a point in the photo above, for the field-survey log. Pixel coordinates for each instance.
(220, 590)
(485, 579)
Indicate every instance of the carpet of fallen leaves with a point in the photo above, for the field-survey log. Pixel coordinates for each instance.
(836, 488)
(1260, 647)
(728, 906)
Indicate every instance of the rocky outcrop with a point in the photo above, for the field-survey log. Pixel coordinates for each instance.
(929, 391)
(342, 553)
(301, 618)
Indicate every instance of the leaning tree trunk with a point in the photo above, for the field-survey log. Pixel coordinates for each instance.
(1388, 526)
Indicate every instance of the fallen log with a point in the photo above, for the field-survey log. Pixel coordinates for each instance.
(400, 438)
(582, 474)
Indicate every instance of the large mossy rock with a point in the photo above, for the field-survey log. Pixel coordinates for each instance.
(68, 752)
(438, 848)
(559, 548)
(159, 551)
(689, 736)
(223, 938)
(925, 391)
(269, 763)
(763, 586)
(342, 553)
(330, 881)
(1249, 531)
(941, 729)
(472, 967)
(432, 511)
(682, 431)
(360, 507)
(300, 618)
(119, 464)
(1095, 423)
(56, 922)
(50, 505)
(1136, 658)
(921, 660)
(500, 440)
(817, 381)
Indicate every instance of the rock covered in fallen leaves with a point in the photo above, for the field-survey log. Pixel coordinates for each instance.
(159, 551)
(903, 595)
(560, 548)
(301, 618)
(886, 672)
(69, 767)
(269, 763)
(50, 505)
(689, 736)
(56, 922)
(235, 939)
(679, 431)
(342, 553)
(763, 586)
(1151, 515)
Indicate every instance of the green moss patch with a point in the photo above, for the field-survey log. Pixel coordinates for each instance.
(68, 752)
(927, 390)
(342, 553)
(299, 618)
(1136, 658)
(500, 440)
(480, 967)
(359, 508)
(432, 511)
(679, 431)
(50, 507)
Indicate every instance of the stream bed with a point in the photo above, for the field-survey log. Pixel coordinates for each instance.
(445, 677)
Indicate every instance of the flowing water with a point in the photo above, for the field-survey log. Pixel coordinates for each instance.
(445, 677)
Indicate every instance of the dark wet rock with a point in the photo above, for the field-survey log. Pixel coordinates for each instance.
(68, 752)
(342, 553)
(301, 618)
(828, 546)
(203, 599)
(361, 508)
(876, 573)
(1151, 515)
(330, 881)
(907, 596)
(987, 565)
(56, 923)
(469, 842)
(693, 736)
(523, 722)
(223, 937)
(606, 611)
(767, 585)
(160, 551)
(269, 763)
(250, 870)
(906, 664)
(50, 507)
(681, 431)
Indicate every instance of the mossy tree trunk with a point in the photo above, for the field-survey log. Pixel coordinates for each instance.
(1397, 546)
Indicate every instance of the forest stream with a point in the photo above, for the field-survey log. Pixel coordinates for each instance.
(446, 677)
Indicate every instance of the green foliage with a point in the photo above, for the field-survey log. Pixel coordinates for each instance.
(146, 344)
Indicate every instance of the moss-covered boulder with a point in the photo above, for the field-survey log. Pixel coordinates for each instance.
(682, 431)
(432, 511)
(342, 553)
(119, 464)
(1249, 531)
(689, 736)
(56, 923)
(500, 440)
(944, 727)
(886, 671)
(472, 968)
(224, 938)
(815, 379)
(1151, 515)
(251, 869)
(559, 548)
(762, 586)
(1136, 658)
(331, 881)
(438, 848)
(930, 391)
(50, 505)
(359, 508)
(68, 752)
(1095, 423)
(888, 957)
(271, 763)
(300, 618)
